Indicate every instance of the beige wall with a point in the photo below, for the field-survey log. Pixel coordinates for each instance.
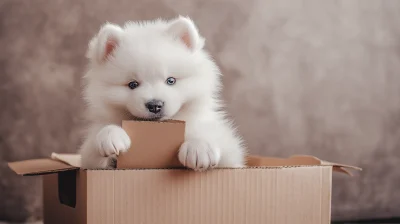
(301, 77)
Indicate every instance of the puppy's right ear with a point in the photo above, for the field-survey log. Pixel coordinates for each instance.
(102, 46)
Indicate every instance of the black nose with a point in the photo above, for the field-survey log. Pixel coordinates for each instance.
(155, 106)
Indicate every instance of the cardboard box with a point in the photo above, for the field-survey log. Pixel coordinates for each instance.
(271, 190)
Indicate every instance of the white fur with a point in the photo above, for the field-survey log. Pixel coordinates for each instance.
(150, 52)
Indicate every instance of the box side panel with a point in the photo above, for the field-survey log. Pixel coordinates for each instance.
(100, 196)
(287, 195)
(304, 195)
(54, 211)
(326, 194)
(296, 196)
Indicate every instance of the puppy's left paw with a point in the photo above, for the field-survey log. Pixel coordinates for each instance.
(199, 155)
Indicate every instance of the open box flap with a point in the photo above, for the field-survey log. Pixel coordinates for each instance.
(70, 159)
(297, 160)
(35, 167)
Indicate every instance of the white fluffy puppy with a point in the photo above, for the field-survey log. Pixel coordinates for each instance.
(156, 70)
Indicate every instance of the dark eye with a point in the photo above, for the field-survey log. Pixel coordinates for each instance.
(133, 85)
(170, 81)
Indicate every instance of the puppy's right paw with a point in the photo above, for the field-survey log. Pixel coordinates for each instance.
(111, 140)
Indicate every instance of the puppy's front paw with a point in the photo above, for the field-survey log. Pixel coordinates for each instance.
(112, 140)
(198, 155)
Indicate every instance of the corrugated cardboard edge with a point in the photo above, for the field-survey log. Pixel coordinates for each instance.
(298, 160)
(64, 162)
(157, 121)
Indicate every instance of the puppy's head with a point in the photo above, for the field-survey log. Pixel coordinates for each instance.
(150, 69)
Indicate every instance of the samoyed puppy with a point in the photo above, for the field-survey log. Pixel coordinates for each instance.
(156, 70)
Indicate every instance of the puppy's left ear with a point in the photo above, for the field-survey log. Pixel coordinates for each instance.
(184, 29)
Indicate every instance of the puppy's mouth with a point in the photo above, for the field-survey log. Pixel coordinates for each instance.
(153, 118)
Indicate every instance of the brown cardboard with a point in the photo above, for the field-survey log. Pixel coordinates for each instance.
(168, 196)
(39, 166)
(70, 159)
(54, 211)
(271, 190)
(298, 160)
(153, 144)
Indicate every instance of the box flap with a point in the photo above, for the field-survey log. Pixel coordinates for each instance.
(154, 144)
(297, 160)
(39, 167)
(70, 159)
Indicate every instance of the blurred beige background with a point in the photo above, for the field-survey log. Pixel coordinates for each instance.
(301, 77)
